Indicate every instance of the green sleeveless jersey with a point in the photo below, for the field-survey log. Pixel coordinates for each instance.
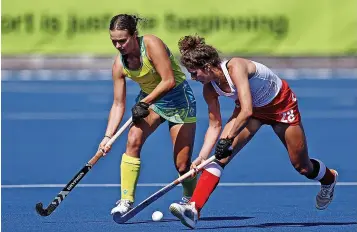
(146, 76)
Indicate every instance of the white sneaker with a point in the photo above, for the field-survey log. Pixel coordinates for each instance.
(122, 207)
(187, 213)
(325, 196)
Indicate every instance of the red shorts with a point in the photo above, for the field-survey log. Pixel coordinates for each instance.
(283, 108)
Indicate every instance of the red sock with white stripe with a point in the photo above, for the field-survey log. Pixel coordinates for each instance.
(206, 185)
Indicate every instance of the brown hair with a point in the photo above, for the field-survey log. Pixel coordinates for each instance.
(125, 22)
(195, 53)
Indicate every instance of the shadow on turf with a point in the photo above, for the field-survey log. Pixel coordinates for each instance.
(284, 224)
(232, 218)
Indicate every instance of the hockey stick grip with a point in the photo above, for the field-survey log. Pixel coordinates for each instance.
(192, 171)
(100, 152)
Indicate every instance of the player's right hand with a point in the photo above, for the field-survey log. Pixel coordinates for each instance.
(104, 148)
(140, 111)
(224, 148)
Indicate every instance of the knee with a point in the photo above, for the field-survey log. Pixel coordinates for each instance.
(182, 167)
(134, 141)
(300, 160)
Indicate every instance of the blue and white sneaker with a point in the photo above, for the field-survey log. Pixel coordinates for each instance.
(325, 196)
(187, 213)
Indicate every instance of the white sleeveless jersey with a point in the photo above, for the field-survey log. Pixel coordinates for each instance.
(264, 85)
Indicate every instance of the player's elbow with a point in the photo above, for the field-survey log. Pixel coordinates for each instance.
(217, 127)
(247, 112)
(171, 83)
(168, 84)
(118, 104)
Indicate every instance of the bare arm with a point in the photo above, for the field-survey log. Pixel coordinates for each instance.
(238, 70)
(215, 120)
(118, 107)
(157, 53)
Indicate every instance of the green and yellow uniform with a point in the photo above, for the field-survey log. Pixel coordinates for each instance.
(177, 106)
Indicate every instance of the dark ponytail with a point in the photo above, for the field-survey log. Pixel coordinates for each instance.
(125, 22)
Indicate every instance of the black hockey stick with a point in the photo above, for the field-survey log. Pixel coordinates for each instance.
(77, 178)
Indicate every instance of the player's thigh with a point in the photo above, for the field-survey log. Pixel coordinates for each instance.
(183, 138)
(293, 138)
(243, 137)
(139, 132)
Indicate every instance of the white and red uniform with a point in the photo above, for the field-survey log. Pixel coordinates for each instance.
(273, 100)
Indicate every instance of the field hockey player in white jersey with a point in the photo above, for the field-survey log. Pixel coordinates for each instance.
(261, 98)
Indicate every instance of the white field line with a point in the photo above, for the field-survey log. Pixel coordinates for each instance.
(236, 184)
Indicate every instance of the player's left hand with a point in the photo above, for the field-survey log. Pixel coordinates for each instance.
(194, 165)
(139, 111)
(224, 148)
(102, 146)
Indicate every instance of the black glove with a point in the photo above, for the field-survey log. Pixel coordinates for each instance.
(223, 148)
(139, 111)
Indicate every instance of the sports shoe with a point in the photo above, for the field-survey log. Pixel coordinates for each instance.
(185, 200)
(325, 196)
(187, 213)
(122, 207)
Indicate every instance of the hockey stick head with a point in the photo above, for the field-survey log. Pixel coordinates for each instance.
(41, 211)
(120, 219)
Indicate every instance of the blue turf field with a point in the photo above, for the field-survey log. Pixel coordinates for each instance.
(51, 128)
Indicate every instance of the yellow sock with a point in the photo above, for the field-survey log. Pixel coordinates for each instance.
(129, 169)
(189, 186)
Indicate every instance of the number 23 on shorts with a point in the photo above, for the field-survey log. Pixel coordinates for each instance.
(288, 116)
